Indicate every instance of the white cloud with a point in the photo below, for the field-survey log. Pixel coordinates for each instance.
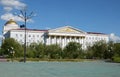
(8, 6)
(16, 4)
(47, 28)
(7, 9)
(9, 16)
(114, 38)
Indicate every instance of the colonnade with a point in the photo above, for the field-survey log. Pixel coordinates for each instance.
(64, 40)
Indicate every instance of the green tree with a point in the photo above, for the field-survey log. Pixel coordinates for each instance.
(98, 50)
(53, 51)
(73, 50)
(9, 44)
(0, 51)
(40, 48)
(89, 52)
(36, 50)
(110, 50)
(117, 49)
(116, 56)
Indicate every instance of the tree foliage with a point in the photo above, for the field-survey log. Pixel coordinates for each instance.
(9, 45)
(53, 51)
(73, 50)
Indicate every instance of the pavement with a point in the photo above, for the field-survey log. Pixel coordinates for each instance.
(3, 60)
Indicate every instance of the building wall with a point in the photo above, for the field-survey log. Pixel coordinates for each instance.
(59, 36)
(84, 39)
(31, 36)
(92, 38)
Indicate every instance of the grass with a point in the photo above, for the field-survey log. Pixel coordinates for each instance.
(49, 60)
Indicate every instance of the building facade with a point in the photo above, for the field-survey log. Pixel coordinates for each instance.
(61, 36)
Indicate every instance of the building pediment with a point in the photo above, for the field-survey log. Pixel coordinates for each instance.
(66, 29)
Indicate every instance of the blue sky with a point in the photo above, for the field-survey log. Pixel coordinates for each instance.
(88, 15)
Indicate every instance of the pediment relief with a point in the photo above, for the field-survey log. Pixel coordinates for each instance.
(66, 29)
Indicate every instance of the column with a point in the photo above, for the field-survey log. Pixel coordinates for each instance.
(65, 41)
(60, 41)
(70, 38)
(55, 39)
(49, 40)
(79, 40)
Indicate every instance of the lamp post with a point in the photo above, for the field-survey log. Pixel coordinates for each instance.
(25, 17)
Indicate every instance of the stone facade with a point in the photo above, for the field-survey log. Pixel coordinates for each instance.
(61, 35)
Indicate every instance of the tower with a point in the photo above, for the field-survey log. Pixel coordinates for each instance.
(9, 25)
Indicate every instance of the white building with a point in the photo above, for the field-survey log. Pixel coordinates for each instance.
(60, 36)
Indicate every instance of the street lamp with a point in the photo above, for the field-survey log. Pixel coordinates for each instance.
(25, 17)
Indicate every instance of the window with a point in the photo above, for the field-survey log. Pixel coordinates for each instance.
(20, 35)
(89, 37)
(16, 35)
(37, 40)
(37, 35)
(29, 35)
(96, 38)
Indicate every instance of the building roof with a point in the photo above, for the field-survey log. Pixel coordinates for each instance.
(67, 29)
(30, 29)
(95, 33)
(11, 21)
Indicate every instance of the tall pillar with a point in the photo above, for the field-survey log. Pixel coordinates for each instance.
(70, 39)
(65, 42)
(60, 41)
(55, 38)
(80, 41)
(49, 40)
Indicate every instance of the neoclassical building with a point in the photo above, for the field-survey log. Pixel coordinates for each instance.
(61, 35)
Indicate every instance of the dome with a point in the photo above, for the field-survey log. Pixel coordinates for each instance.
(11, 21)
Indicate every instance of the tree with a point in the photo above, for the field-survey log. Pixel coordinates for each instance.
(11, 44)
(117, 49)
(98, 50)
(110, 50)
(53, 51)
(0, 51)
(36, 50)
(116, 56)
(40, 48)
(73, 50)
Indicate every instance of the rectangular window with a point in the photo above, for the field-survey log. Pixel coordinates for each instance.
(29, 35)
(20, 35)
(37, 35)
(16, 35)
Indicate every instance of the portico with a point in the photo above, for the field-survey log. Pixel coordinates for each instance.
(63, 40)
(64, 35)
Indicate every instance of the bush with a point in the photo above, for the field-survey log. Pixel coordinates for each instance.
(73, 50)
(116, 58)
